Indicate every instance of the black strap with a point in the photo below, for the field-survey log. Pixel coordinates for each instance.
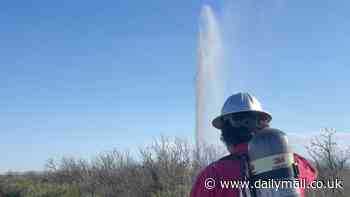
(232, 157)
(245, 173)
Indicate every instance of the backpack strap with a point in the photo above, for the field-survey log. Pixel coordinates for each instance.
(247, 192)
(231, 157)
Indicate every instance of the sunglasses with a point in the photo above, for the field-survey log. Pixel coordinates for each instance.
(253, 121)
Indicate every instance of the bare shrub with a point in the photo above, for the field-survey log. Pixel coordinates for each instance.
(116, 174)
(167, 164)
(166, 168)
(332, 162)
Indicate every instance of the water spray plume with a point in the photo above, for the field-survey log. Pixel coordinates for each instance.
(209, 82)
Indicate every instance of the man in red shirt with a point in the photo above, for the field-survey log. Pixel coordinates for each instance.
(242, 116)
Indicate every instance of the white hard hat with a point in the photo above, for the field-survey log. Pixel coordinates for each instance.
(237, 103)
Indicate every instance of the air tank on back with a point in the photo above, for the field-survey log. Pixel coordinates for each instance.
(271, 162)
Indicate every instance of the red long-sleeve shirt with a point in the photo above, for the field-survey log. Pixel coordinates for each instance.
(230, 170)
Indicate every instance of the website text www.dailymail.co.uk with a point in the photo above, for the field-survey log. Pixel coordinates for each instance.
(211, 183)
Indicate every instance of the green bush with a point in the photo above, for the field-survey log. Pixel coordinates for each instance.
(28, 188)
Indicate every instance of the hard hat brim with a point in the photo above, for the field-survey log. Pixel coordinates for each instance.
(218, 122)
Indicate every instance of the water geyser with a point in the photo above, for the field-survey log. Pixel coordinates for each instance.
(209, 82)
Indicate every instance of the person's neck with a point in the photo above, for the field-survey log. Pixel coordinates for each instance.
(238, 149)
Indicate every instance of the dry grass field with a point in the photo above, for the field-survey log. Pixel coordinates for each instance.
(166, 168)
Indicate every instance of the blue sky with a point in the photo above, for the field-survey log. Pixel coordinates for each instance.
(80, 77)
